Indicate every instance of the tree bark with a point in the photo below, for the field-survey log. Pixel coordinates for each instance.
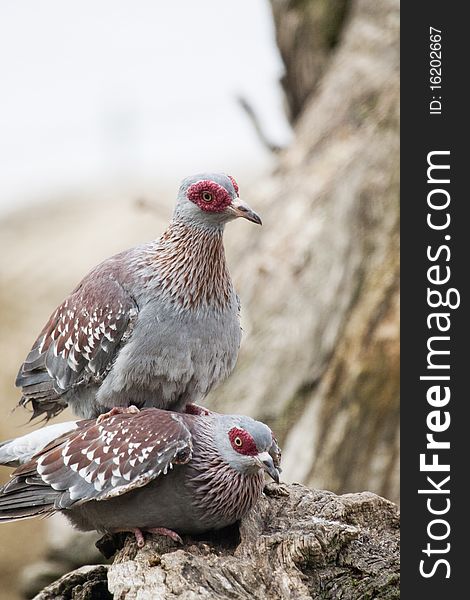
(297, 544)
(319, 358)
(306, 33)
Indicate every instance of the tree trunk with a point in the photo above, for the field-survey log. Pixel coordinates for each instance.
(319, 358)
(297, 544)
(306, 33)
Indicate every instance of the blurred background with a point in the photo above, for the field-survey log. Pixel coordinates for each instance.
(106, 106)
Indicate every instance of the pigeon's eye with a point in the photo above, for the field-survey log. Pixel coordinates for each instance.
(207, 196)
(242, 442)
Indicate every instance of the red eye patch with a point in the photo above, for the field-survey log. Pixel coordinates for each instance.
(234, 183)
(209, 196)
(242, 442)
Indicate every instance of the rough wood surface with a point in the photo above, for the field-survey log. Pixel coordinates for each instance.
(307, 31)
(297, 544)
(85, 583)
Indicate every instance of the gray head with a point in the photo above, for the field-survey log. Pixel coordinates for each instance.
(245, 444)
(211, 200)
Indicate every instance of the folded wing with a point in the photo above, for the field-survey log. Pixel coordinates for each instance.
(97, 461)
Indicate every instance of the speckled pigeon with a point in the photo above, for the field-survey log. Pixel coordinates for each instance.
(156, 325)
(150, 470)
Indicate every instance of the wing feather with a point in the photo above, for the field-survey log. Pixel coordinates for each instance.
(79, 343)
(97, 461)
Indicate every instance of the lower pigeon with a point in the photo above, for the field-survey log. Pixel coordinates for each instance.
(151, 470)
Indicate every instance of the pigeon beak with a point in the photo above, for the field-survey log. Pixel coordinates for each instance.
(238, 208)
(267, 464)
(275, 453)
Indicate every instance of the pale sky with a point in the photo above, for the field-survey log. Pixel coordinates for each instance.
(92, 92)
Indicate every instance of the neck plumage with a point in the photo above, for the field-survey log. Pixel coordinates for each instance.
(220, 491)
(191, 266)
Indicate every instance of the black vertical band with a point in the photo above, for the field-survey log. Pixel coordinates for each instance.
(435, 325)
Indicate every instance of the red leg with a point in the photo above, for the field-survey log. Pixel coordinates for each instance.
(139, 534)
(139, 537)
(118, 410)
(166, 532)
